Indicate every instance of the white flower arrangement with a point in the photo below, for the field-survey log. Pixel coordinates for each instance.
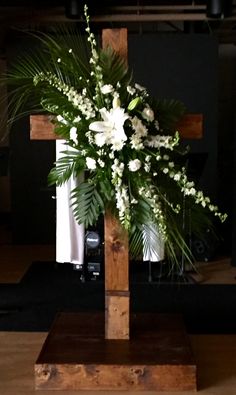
(124, 140)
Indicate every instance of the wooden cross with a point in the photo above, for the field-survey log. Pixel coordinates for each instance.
(117, 296)
(77, 354)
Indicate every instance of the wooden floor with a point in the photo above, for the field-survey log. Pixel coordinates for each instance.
(215, 354)
(16, 259)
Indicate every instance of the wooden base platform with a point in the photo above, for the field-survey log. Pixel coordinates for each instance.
(75, 355)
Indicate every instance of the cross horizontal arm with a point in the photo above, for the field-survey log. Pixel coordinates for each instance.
(41, 127)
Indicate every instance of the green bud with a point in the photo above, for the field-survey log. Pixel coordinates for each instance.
(134, 103)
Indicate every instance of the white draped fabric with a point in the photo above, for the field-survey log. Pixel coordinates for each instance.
(69, 235)
(156, 246)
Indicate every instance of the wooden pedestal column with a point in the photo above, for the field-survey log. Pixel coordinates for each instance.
(117, 297)
(116, 280)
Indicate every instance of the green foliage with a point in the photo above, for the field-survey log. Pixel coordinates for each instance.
(70, 165)
(114, 69)
(87, 203)
(168, 112)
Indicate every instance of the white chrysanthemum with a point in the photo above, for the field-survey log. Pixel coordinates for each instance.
(117, 145)
(134, 165)
(107, 88)
(91, 163)
(100, 139)
(139, 128)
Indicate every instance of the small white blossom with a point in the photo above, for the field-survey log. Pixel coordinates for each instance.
(134, 165)
(130, 90)
(73, 135)
(101, 163)
(61, 119)
(91, 163)
(147, 167)
(105, 89)
(140, 87)
(148, 114)
(157, 126)
(177, 176)
(77, 119)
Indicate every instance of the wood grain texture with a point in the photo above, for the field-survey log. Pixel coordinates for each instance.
(41, 128)
(117, 39)
(113, 377)
(116, 239)
(75, 355)
(189, 127)
(116, 279)
(215, 354)
(117, 311)
(116, 255)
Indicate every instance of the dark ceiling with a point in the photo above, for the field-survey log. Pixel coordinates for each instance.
(145, 14)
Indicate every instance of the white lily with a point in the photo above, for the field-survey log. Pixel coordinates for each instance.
(111, 128)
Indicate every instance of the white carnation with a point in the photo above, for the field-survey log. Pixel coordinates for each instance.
(100, 139)
(90, 163)
(134, 165)
(105, 89)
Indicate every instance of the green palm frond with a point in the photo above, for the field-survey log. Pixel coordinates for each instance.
(142, 215)
(106, 190)
(114, 68)
(24, 96)
(68, 165)
(87, 203)
(67, 45)
(168, 113)
(136, 242)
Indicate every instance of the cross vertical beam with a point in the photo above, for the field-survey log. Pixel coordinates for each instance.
(117, 296)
